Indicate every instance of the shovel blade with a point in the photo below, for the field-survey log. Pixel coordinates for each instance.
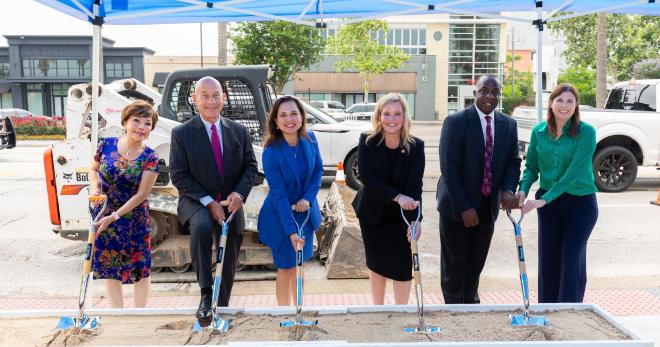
(427, 329)
(520, 320)
(301, 323)
(84, 323)
(217, 325)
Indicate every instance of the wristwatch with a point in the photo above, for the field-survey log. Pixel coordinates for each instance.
(115, 215)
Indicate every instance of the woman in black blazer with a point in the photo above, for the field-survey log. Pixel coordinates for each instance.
(391, 166)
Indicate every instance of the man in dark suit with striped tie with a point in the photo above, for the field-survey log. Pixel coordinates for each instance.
(211, 160)
(480, 169)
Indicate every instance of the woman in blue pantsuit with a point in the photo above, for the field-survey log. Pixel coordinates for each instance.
(560, 152)
(293, 168)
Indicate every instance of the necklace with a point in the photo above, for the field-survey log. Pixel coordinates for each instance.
(127, 150)
(294, 151)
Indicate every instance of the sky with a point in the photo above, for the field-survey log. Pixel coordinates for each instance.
(28, 17)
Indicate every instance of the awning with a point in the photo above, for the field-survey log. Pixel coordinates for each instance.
(159, 79)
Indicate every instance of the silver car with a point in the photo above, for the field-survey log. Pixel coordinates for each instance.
(361, 111)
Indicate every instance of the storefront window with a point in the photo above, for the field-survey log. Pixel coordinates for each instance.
(35, 98)
(114, 70)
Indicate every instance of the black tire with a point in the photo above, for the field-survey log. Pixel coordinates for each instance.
(351, 171)
(615, 169)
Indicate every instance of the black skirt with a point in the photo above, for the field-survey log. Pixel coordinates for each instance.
(386, 245)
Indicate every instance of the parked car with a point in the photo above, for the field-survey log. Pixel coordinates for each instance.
(15, 113)
(338, 141)
(361, 111)
(329, 106)
(626, 132)
(7, 132)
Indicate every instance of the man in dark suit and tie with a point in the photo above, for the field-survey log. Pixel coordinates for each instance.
(211, 160)
(480, 169)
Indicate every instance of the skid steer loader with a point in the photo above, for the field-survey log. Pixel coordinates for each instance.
(248, 98)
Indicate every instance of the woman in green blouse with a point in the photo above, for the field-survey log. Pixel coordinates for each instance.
(560, 152)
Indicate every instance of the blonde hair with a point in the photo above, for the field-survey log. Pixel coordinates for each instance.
(406, 138)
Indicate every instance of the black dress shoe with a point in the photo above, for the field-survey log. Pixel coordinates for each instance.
(204, 314)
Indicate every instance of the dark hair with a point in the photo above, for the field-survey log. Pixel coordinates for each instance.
(575, 118)
(273, 134)
(139, 109)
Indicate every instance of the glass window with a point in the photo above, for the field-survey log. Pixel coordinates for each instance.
(4, 69)
(317, 104)
(414, 38)
(406, 37)
(422, 37)
(646, 101)
(397, 37)
(6, 101)
(35, 98)
(390, 37)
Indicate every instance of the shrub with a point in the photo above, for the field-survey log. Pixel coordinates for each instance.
(39, 125)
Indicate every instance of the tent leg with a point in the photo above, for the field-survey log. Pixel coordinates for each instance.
(96, 80)
(539, 61)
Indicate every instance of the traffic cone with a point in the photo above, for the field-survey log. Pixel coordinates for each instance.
(340, 177)
(657, 200)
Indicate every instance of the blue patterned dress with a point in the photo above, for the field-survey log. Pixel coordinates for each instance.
(123, 250)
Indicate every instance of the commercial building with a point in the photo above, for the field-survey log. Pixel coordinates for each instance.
(36, 71)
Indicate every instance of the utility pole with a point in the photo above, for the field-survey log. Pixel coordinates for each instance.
(222, 44)
(201, 46)
(513, 59)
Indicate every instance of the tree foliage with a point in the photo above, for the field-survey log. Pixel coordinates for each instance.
(584, 80)
(289, 47)
(630, 39)
(518, 91)
(647, 69)
(359, 51)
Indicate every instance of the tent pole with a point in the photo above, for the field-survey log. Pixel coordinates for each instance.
(539, 61)
(96, 79)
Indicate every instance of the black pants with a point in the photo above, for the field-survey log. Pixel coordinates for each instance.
(564, 228)
(203, 231)
(463, 253)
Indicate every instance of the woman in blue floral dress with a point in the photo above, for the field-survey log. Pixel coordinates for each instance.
(125, 170)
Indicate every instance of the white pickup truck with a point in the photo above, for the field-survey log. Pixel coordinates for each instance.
(627, 132)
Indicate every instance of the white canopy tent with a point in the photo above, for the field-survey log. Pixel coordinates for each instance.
(314, 12)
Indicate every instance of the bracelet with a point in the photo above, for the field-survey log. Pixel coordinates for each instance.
(115, 215)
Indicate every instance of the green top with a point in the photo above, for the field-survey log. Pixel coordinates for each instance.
(564, 163)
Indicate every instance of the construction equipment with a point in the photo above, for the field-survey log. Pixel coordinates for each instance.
(217, 323)
(524, 319)
(417, 276)
(82, 321)
(248, 99)
(299, 323)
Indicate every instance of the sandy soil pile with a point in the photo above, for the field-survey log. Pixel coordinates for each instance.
(366, 327)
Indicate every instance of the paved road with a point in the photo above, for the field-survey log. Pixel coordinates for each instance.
(622, 250)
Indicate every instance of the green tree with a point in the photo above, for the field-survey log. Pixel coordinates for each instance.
(584, 80)
(647, 69)
(630, 39)
(518, 93)
(359, 51)
(289, 47)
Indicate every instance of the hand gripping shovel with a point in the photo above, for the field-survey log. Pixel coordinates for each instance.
(524, 319)
(83, 321)
(299, 322)
(218, 324)
(419, 291)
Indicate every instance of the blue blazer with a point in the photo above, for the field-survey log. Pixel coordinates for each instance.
(275, 217)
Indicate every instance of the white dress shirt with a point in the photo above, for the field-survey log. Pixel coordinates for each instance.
(208, 199)
(482, 118)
